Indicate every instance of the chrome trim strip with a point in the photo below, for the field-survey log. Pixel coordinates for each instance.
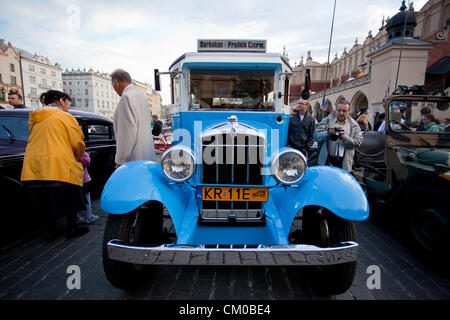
(276, 255)
(239, 213)
(232, 128)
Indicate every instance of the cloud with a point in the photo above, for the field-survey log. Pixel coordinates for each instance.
(116, 20)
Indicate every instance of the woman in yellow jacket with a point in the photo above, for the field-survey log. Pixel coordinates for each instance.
(51, 170)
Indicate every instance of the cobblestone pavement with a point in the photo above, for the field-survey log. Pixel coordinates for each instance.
(31, 268)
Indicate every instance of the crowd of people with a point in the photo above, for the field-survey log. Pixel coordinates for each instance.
(337, 135)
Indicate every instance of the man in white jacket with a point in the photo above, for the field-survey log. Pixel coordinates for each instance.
(132, 127)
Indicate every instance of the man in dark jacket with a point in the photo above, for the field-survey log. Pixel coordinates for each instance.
(301, 128)
(157, 125)
(15, 99)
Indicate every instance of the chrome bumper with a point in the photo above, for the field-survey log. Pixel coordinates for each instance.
(277, 255)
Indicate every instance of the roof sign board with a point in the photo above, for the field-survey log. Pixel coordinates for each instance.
(231, 45)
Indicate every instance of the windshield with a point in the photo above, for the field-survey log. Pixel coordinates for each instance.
(231, 89)
(14, 127)
(419, 116)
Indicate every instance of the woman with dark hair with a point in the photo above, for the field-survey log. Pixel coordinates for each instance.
(51, 170)
(431, 124)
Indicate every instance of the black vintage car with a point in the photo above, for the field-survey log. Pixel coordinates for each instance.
(100, 144)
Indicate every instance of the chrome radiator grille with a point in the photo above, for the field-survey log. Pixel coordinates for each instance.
(232, 159)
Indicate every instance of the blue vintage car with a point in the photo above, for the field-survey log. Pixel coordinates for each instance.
(229, 186)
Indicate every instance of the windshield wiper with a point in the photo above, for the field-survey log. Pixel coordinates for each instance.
(10, 134)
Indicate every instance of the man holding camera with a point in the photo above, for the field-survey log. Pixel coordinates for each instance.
(338, 135)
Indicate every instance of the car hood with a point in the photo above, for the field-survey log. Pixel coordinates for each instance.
(188, 126)
(10, 147)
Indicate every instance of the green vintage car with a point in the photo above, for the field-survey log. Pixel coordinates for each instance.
(407, 169)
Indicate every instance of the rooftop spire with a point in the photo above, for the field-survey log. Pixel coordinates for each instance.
(403, 7)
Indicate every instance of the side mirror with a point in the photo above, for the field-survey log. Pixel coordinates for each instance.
(157, 80)
(305, 92)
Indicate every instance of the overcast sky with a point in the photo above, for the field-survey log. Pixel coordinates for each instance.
(140, 36)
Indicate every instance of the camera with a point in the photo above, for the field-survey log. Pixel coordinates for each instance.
(335, 135)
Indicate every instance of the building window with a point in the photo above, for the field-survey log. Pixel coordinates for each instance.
(86, 103)
(32, 79)
(31, 68)
(53, 74)
(12, 68)
(86, 91)
(1, 78)
(54, 84)
(13, 80)
(44, 82)
(70, 83)
(33, 91)
(42, 71)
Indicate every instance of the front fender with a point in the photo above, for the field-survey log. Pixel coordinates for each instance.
(137, 182)
(324, 186)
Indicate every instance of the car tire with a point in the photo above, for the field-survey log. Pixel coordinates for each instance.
(120, 274)
(334, 279)
(428, 221)
(141, 226)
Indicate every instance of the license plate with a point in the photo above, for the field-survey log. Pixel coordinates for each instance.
(235, 194)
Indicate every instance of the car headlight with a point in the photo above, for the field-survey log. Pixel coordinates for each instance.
(289, 166)
(178, 163)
